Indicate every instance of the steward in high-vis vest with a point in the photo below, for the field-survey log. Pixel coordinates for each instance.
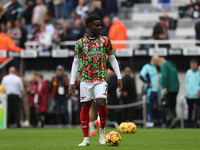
(117, 32)
(7, 44)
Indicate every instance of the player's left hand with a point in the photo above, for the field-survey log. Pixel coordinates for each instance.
(120, 84)
(72, 89)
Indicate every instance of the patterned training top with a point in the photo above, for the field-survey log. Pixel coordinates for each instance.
(94, 54)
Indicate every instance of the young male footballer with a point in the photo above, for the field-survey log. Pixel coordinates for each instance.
(94, 50)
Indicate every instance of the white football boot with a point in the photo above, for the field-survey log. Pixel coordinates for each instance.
(85, 143)
(102, 136)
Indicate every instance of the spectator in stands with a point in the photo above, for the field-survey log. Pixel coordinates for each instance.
(65, 32)
(28, 15)
(117, 32)
(71, 21)
(160, 31)
(9, 26)
(44, 38)
(112, 95)
(111, 8)
(128, 3)
(32, 90)
(35, 33)
(170, 85)
(192, 86)
(39, 12)
(2, 14)
(149, 75)
(196, 9)
(41, 99)
(24, 105)
(106, 26)
(58, 9)
(164, 4)
(49, 27)
(49, 18)
(7, 44)
(14, 11)
(82, 10)
(77, 31)
(14, 87)
(128, 94)
(197, 31)
(16, 34)
(3, 28)
(56, 37)
(60, 84)
(26, 2)
(68, 5)
(97, 9)
(23, 38)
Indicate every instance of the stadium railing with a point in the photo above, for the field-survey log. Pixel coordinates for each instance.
(186, 47)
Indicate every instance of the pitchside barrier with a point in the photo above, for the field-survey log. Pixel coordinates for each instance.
(133, 48)
(142, 102)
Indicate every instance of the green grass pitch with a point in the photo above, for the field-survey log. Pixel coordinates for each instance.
(68, 139)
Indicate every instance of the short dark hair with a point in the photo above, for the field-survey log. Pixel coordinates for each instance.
(91, 18)
(194, 60)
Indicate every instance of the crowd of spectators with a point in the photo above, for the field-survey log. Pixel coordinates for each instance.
(54, 21)
(192, 9)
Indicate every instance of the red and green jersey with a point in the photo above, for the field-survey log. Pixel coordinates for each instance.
(94, 54)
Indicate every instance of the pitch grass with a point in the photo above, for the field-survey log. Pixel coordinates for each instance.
(68, 139)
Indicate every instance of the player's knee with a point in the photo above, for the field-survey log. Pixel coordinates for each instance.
(86, 104)
(101, 103)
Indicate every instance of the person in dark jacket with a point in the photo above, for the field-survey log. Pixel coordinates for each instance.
(28, 15)
(170, 85)
(197, 31)
(2, 14)
(65, 35)
(60, 94)
(160, 31)
(111, 8)
(77, 31)
(32, 90)
(97, 9)
(14, 11)
(23, 32)
(106, 26)
(128, 94)
(112, 94)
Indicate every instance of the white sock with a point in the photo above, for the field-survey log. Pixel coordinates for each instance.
(102, 129)
(91, 125)
(86, 138)
(98, 118)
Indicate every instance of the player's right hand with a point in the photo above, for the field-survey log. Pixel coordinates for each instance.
(72, 89)
(120, 84)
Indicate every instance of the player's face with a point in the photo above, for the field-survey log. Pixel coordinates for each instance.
(95, 28)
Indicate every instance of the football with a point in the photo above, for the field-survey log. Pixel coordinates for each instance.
(122, 127)
(130, 127)
(113, 138)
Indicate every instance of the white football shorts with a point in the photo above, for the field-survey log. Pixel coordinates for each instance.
(93, 90)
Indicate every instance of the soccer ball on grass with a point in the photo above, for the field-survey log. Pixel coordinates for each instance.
(122, 127)
(113, 138)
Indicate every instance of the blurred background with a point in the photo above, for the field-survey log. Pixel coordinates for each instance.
(38, 37)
